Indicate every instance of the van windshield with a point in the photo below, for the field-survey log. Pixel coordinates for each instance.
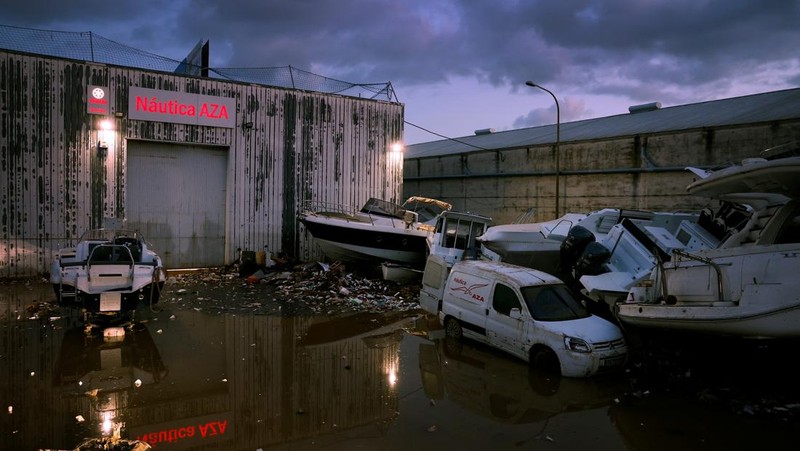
(553, 303)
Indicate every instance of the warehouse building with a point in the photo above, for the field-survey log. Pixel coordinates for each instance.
(636, 160)
(201, 161)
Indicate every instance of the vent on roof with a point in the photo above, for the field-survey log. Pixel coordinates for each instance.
(652, 106)
(484, 131)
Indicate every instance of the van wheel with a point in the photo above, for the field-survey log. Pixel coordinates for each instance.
(546, 360)
(452, 328)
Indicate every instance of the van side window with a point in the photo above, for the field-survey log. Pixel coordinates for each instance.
(504, 299)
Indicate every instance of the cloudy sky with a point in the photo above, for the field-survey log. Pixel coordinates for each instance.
(461, 65)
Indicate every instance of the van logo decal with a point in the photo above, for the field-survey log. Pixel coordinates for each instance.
(468, 290)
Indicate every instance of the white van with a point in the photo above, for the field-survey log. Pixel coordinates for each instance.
(525, 312)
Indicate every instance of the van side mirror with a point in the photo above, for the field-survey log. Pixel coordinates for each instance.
(515, 313)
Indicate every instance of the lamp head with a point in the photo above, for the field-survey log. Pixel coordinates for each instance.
(531, 84)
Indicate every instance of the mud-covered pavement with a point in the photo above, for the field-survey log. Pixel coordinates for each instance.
(320, 358)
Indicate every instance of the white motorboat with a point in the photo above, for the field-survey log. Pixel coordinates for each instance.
(608, 248)
(456, 236)
(108, 271)
(379, 232)
(607, 268)
(534, 245)
(746, 286)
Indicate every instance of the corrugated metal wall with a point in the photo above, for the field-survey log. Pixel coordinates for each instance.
(302, 145)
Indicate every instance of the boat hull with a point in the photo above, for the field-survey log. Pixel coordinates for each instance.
(724, 319)
(366, 243)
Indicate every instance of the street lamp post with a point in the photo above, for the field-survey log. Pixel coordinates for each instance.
(558, 140)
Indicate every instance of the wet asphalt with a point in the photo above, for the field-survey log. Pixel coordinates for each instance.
(232, 365)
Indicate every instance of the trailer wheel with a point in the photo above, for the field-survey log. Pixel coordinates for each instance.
(452, 328)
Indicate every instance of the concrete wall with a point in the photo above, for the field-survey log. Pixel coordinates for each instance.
(636, 172)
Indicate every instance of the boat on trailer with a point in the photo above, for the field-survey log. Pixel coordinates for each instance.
(380, 231)
(108, 272)
(748, 285)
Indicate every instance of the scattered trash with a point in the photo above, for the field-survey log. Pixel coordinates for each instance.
(432, 428)
(113, 443)
(137, 383)
(10, 410)
(79, 418)
(306, 288)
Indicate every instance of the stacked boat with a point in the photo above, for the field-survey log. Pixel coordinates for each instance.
(748, 284)
(730, 270)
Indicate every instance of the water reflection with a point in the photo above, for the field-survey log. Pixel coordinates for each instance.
(488, 383)
(98, 374)
(186, 379)
(369, 381)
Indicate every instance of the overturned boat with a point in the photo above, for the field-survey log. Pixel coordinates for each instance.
(378, 232)
(107, 272)
(746, 286)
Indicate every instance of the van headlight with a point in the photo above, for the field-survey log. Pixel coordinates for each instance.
(576, 344)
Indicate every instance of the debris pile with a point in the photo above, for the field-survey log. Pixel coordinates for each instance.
(311, 288)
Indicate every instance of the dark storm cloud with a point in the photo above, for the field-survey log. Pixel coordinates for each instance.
(643, 50)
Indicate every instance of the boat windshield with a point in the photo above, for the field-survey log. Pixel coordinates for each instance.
(426, 209)
(553, 303)
(381, 207)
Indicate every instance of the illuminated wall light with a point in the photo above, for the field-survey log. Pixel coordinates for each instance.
(396, 153)
(106, 124)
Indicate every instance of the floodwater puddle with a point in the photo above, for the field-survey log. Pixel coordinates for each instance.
(180, 378)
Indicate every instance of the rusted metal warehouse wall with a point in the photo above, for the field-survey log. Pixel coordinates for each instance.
(635, 172)
(287, 146)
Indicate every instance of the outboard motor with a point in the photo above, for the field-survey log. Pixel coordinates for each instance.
(573, 245)
(591, 261)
